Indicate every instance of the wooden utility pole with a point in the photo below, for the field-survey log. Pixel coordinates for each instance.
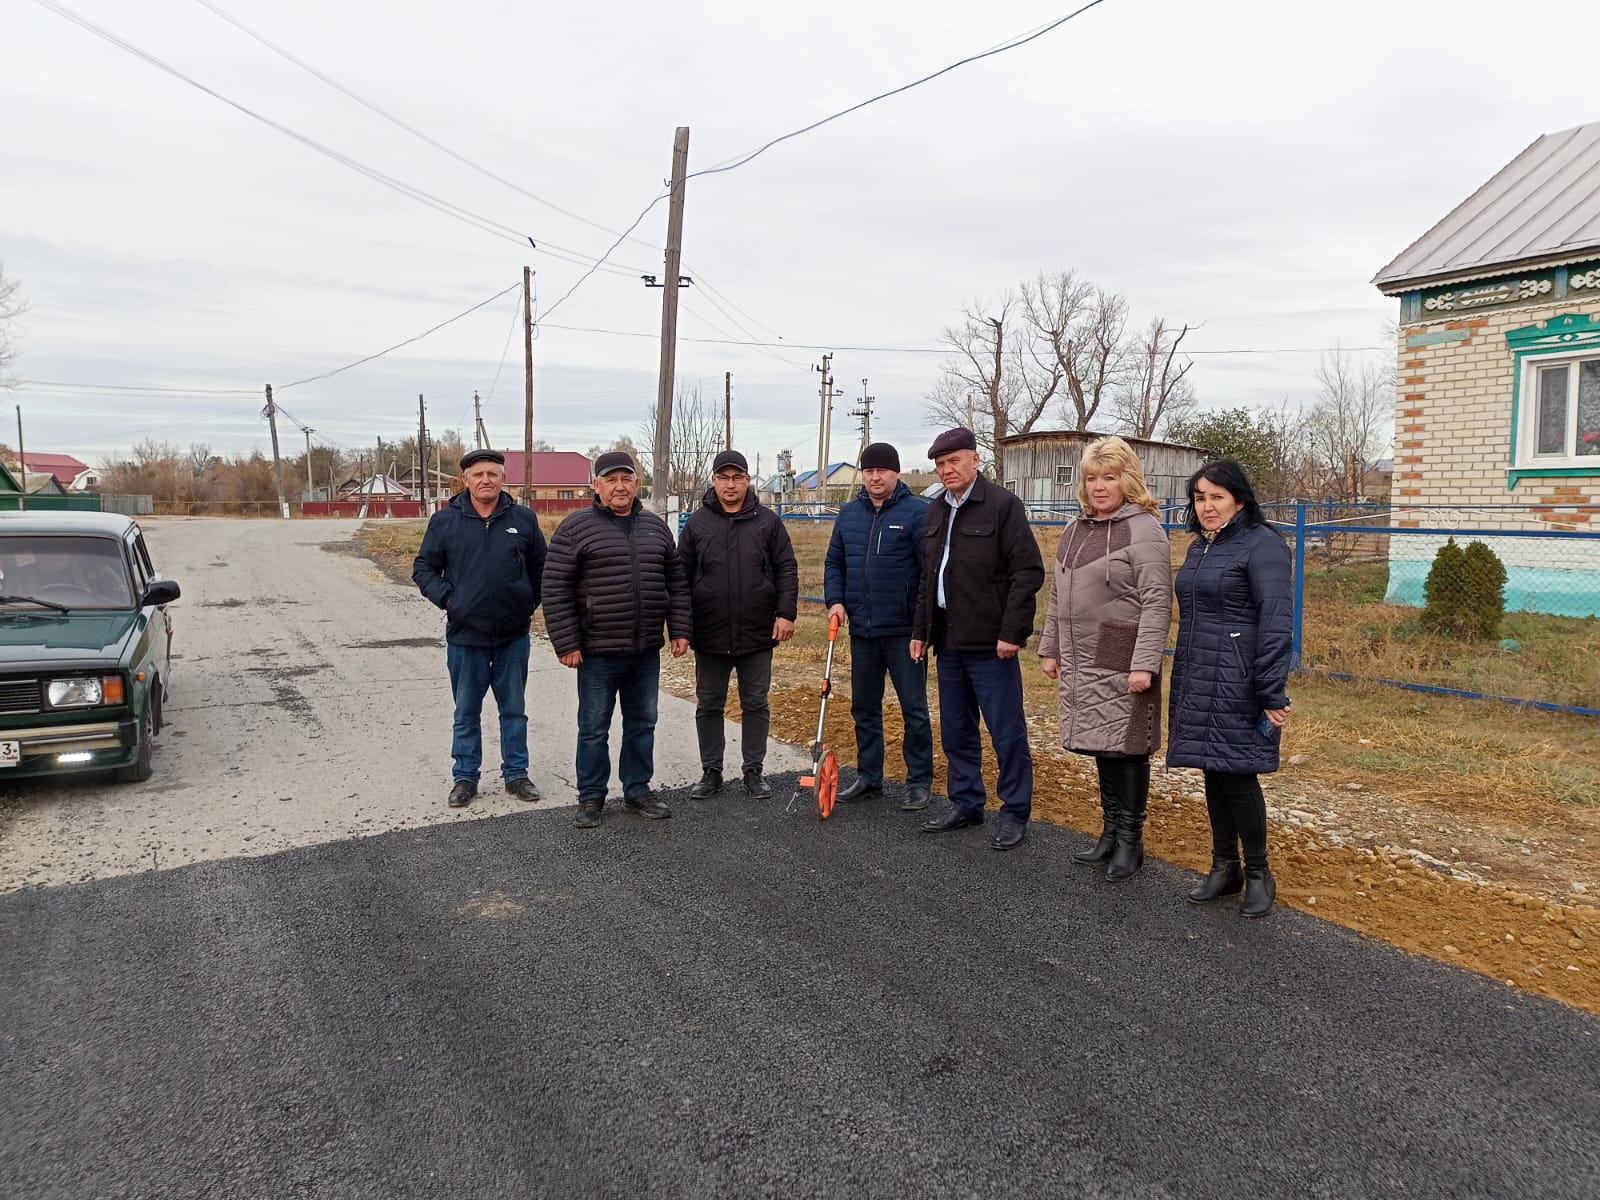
(727, 409)
(22, 466)
(661, 454)
(277, 468)
(422, 453)
(527, 384)
(822, 428)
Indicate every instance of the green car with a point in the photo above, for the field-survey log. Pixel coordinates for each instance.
(85, 645)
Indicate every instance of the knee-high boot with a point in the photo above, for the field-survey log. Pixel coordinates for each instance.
(1101, 850)
(1133, 793)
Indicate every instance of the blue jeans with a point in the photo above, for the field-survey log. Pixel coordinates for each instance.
(870, 659)
(970, 684)
(602, 680)
(473, 671)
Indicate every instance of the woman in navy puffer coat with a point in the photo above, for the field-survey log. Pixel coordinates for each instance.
(1230, 672)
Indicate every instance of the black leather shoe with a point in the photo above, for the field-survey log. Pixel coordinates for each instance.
(860, 790)
(647, 804)
(710, 784)
(1260, 889)
(461, 793)
(956, 818)
(756, 785)
(1101, 850)
(588, 814)
(916, 799)
(1009, 834)
(523, 789)
(1126, 859)
(1224, 879)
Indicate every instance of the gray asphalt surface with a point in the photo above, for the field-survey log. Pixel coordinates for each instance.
(745, 1001)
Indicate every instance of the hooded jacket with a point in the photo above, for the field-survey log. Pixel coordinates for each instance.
(1109, 612)
(609, 587)
(995, 572)
(874, 562)
(485, 572)
(1235, 636)
(741, 572)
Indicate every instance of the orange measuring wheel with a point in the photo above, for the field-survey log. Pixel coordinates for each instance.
(824, 777)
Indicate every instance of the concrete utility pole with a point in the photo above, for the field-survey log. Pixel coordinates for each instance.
(480, 436)
(661, 453)
(383, 471)
(727, 409)
(277, 469)
(22, 466)
(311, 488)
(422, 453)
(527, 384)
(822, 427)
(865, 413)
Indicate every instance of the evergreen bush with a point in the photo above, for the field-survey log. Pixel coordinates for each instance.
(1465, 592)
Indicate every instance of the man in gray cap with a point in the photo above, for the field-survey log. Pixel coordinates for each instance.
(614, 580)
(482, 561)
(870, 581)
(745, 587)
(981, 570)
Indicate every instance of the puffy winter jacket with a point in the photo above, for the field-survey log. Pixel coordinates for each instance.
(1235, 635)
(485, 572)
(609, 586)
(742, 575)
(995, 572)
(1109, 612)
(874, 563)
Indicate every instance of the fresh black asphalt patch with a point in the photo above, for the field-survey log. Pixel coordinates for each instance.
(744, 1001)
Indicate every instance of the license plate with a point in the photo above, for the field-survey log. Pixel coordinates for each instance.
(10, 753)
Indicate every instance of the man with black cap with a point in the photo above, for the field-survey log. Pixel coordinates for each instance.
(981, 570)
(482, 561)
(870, 581)
(745, 587)
(614, 580)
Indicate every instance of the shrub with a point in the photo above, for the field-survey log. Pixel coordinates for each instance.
(1465, 593)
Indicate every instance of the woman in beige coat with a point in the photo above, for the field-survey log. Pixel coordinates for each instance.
(1104, 634)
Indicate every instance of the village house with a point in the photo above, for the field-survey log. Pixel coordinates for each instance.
(1498, 387)
(1041, 467)
(69, 472)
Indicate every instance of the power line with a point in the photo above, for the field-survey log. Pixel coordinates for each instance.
(597, 262)
(122, 387)
(435, 329)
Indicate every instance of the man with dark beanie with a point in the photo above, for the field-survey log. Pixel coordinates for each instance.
(870, 582)
(981, 570)
(744, 585)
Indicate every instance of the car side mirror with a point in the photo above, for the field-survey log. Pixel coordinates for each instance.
(162, 591)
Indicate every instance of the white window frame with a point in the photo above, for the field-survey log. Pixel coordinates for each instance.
(1528, 435)
(1064, 474)
(1011, 486)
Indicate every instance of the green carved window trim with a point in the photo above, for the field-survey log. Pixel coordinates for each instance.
(1573, 333)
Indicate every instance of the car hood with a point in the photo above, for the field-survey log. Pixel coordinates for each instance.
(29, 638)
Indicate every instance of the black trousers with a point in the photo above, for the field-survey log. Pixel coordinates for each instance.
(711, 672)
(1238, 814)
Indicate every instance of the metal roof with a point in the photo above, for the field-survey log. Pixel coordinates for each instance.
(1542, 206)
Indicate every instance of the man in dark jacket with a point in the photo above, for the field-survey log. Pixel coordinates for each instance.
(870, 581)
(981, 570)
(614, 580)
(745, 586)
(481, 561)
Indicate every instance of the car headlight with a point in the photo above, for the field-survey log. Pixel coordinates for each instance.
(84, 692)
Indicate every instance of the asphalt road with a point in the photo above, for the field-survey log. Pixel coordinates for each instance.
(740, 1001)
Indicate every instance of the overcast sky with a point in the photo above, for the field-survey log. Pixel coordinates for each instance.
(1232, 164)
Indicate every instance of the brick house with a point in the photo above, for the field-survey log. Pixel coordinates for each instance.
(1498, 388)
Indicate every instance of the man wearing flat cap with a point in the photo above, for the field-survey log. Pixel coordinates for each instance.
(614, 580)
(981, 570)
(745, 587)
(870, 582)
(482, 561)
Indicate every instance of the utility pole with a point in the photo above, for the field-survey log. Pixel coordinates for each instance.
(661, 454)
(383, 471)
(970, 414)
(865, 413)
(422, 452)
(480, 436)
(822, 426)
(527, 384)
(277, 469)
(311, 488)
(727, 409)
(22, 466)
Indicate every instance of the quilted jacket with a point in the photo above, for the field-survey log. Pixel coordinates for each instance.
(875, 563)
(1109, 612)
(608, 589)
(1235, 634)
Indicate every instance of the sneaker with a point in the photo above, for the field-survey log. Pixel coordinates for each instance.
(523, 789)
(710, 784)
(461, 793)
(588, 814)
(647, 804)
(755, 784)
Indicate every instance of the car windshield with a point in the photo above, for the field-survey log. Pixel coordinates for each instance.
(63, 571)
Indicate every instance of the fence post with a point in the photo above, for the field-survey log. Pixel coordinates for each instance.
(1299, 582)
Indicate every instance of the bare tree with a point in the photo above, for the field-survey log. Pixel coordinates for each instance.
(11, 307)
(1347, 426)
(1154, 389)
(696, 438)
(976, 387)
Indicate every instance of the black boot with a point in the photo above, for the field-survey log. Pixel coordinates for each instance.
(1133, 789)
(1225, 879)
(1260, 889)
(1101, 850)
